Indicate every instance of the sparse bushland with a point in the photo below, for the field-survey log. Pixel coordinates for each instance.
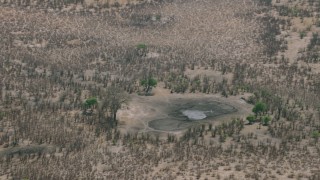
(54, 57)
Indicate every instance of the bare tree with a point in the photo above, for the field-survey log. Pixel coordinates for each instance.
(116, 97)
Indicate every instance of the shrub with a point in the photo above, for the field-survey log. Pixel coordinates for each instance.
(90, 102)
(266, 120)
(141, 46)
(260, 107)
(251, 119)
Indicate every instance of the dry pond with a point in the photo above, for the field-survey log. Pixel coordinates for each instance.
(167, 112)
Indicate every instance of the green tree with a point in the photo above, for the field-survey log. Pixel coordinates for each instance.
(88, 105)
(251, 119)
(90, 102)
(259, 108)
(148, 84)
(266, 120)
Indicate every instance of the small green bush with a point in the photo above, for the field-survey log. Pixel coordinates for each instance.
(142, 46)
(266, 120)
(90, 102)
(251, 119)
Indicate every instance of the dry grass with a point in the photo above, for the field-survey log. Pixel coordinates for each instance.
(54, 56)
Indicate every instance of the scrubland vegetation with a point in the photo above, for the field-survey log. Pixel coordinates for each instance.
(68, 67)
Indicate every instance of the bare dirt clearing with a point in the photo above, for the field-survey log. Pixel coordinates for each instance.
(163, 112)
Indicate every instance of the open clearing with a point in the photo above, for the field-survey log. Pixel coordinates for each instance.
(163, 112)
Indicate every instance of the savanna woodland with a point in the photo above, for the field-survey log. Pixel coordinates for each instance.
(159, 89)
